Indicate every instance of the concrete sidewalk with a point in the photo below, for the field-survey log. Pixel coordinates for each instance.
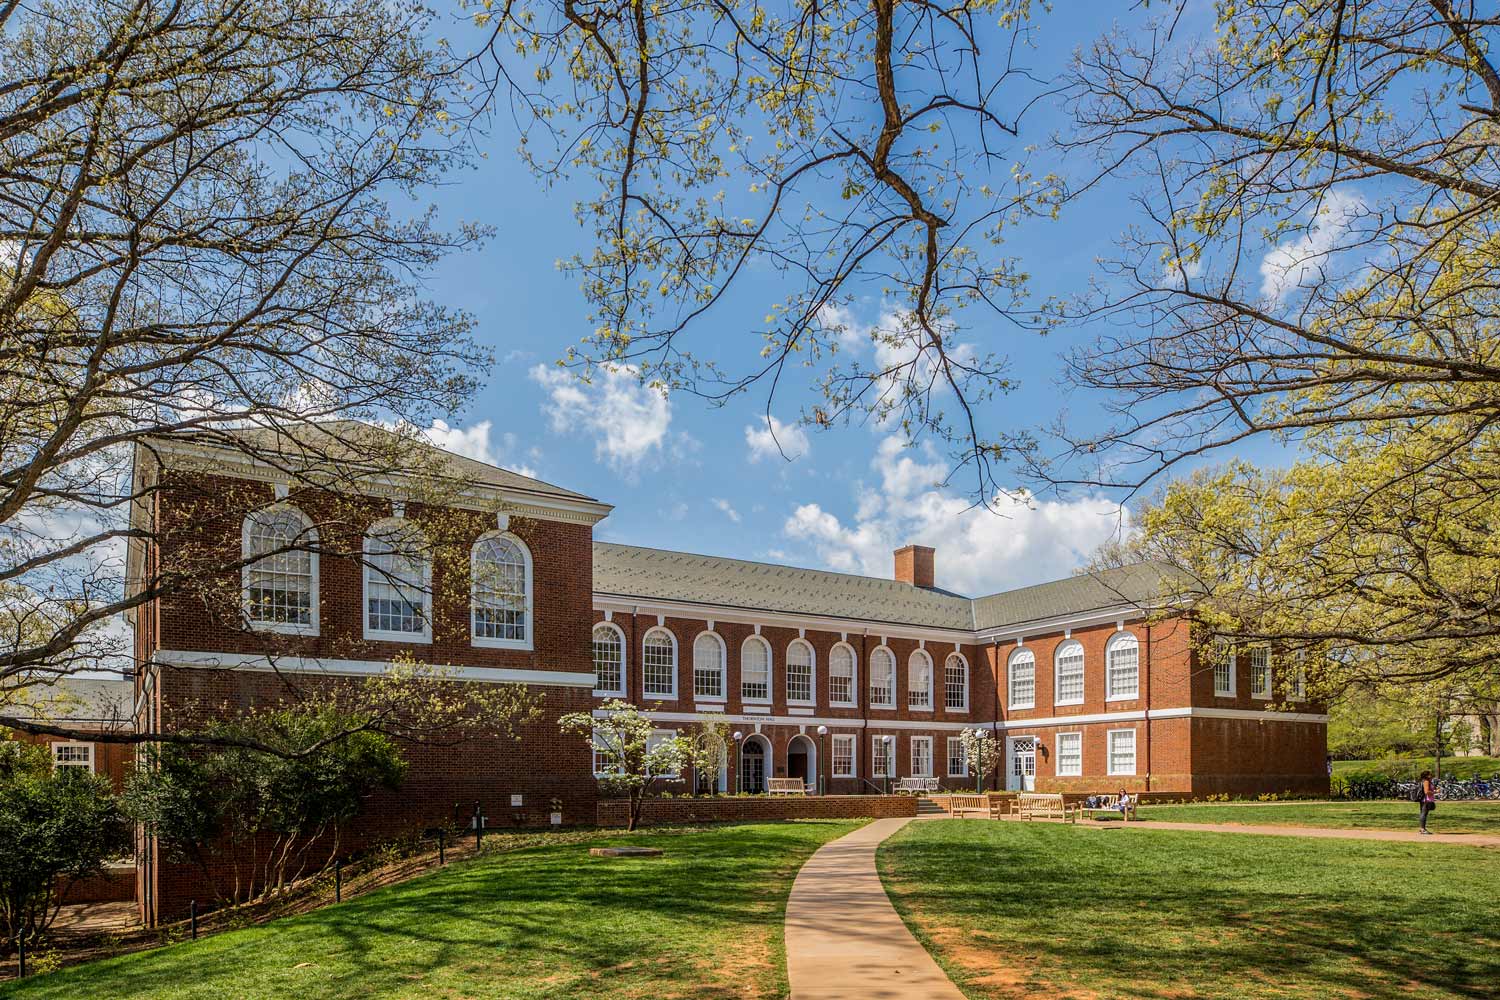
(1333, 833)
(844, 939)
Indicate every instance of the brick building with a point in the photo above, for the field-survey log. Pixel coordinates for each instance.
(843, 681)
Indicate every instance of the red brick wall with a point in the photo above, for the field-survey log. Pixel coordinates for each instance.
(1250, 756)
(116, 885)
(616, 812)
(112, 760)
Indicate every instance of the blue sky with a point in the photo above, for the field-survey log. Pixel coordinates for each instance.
(683, 474)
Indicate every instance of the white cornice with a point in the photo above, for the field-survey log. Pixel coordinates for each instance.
(259, 662)
(779, 619)
(1059, 623)
(471, 495)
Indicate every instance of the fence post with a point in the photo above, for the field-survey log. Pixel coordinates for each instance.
(338, 881)
(478, 826)
(21, 954)
(193, 917)
(442, 852)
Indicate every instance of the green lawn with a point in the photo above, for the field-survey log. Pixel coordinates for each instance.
(1405, 769)
(1450, 817)
(705, 920)
(1031, 909)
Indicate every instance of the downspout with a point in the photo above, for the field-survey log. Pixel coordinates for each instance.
(1146, 695)
(864, 703)
(995, 725)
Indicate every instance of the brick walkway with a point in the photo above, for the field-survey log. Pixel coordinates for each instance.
(844, 939)
(1411, 836)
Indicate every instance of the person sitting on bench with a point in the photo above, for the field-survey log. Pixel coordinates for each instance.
(1126, 804)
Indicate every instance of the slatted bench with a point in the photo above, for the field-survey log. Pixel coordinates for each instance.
(1044, 805)
(1108, 804)
(969, 805)
(786, 786)
(917, 786)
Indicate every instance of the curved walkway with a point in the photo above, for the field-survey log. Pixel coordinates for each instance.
(843, 936)
(1336, 833)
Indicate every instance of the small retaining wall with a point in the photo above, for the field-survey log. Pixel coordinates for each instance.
(616, 812)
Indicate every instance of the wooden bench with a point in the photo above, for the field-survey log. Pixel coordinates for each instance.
(969, 805)
(916, 786)
(786, 786)
(1108, 804)
(1044, 805)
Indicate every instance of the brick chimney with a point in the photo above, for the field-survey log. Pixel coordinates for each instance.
(914, 565)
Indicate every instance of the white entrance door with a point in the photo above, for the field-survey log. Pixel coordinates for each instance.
(1022, 777)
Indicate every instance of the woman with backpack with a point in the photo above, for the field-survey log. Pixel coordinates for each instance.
(1426, 796)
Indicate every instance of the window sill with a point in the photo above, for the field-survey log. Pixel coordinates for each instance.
(285, 628)
(843, 704)
(748, 701)
(478, 642)
(803, 704)
(405, 638)
(608, 694)
(659, 695)
(1067, 704)
(717, 699)
(1124, 697)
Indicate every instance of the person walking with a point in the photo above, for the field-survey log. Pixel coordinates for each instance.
(1426, 801)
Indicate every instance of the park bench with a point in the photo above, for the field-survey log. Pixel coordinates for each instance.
(1107, 804)
(1043, 805)
(786, 786)
(917, 785)
(969, 805)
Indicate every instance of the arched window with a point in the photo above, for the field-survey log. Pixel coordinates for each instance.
(281, 585)
(755, 669)
(883, 678)
(919, 680)
(841, 675)
(800, 683)
(609, 659)
(398, 583)
(708, 666)
(1022, 679)
(500, 609)
(1067, 688)
(956, 683)
(1122, 673)
(659, 664)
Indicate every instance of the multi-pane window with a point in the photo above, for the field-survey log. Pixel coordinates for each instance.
(921, 756)
(501, 590)
(1069, 754)
(841, 675)
(609, 660)
(843, 756)
(958, 758)
(398, 581)
(755, 669)
(799, 672)
(1122, 674)
(79, 755)
(1121, 751)
(1069, 677)
(919, 680)
(1260, 672)
(1299, 676)
(956, 683)
(655, 740)
(883, 756)
(281, 583)
(1224, 664)
(659, 664)
(708, 666)
(606, 754)
(883, 677)
(1022, 679)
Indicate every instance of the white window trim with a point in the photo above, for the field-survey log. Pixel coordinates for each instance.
(1018, 655)
(1057, 673)
(770, 671)
(1270, 691)
(660, 736)
(1115, 640)
(853, 702)
(886, 760)
(594, 738)
(723, 694)
(381, 635)
(917, 655)
(895, 673)
(624, 660)
(1298, 691)
(1234, 670)
(853, 755)
(676, 663)
(1070, 774)
(1109, 753)
(284, 628)
(963, 753)
(915, 742)
(968, 681)
(487, 643)
(812, 661)
(92, 764)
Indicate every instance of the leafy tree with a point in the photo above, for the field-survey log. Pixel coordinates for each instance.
(706, 752)
(266, 815)
(982, 752)
(631, 758)
(57, 825)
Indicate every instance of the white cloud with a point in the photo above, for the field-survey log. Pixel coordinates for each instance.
(628, 420)
(978, 550)
(1300, 262)
(727, 508)
(775, 439)
(474, 442)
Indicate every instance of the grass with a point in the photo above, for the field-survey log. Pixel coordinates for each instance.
(1407, 768)
(1450, 817)
(705, 920)
(1030, 909)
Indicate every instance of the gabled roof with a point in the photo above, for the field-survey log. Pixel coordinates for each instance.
(1138, 585)
(632, 571)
